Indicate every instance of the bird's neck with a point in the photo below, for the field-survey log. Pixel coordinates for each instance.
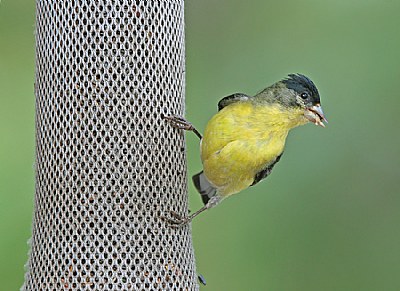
(277, 118)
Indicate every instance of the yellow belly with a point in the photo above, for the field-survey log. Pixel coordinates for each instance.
(240, 140)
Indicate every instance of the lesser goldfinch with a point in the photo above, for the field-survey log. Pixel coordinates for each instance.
(246, 138)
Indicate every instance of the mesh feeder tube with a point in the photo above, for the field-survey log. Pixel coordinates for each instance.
(107, 164)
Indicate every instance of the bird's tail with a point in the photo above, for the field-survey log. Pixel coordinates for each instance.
(204, 187)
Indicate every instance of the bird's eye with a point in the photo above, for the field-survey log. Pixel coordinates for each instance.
(305, 95)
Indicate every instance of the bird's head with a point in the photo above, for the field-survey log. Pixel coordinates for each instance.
(304, 94)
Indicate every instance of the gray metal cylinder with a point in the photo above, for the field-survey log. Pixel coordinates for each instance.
(107, 164)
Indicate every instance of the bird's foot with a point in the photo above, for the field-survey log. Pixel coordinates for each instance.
(179, 122)
(176, 220)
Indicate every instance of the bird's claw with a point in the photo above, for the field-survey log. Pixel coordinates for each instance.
(179, 122)
(176, 220)
(176, 215)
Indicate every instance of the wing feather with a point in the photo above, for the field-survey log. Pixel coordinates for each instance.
(232, 99)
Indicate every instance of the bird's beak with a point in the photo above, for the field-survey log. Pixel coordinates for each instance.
(316, 115)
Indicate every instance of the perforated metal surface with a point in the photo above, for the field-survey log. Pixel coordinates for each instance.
(107, 164)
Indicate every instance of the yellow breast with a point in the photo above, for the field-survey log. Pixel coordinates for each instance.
(242, 139)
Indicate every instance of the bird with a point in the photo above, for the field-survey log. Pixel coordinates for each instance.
(244, 140)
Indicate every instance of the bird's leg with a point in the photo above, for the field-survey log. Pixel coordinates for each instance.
(177, 220)
(181, 123)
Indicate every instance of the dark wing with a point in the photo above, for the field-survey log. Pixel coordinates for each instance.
(232, 99)
(204, 187)
(266, 171)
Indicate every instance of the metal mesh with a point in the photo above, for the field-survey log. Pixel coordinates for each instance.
(107, 164)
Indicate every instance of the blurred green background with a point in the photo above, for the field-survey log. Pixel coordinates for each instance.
(328, 218)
